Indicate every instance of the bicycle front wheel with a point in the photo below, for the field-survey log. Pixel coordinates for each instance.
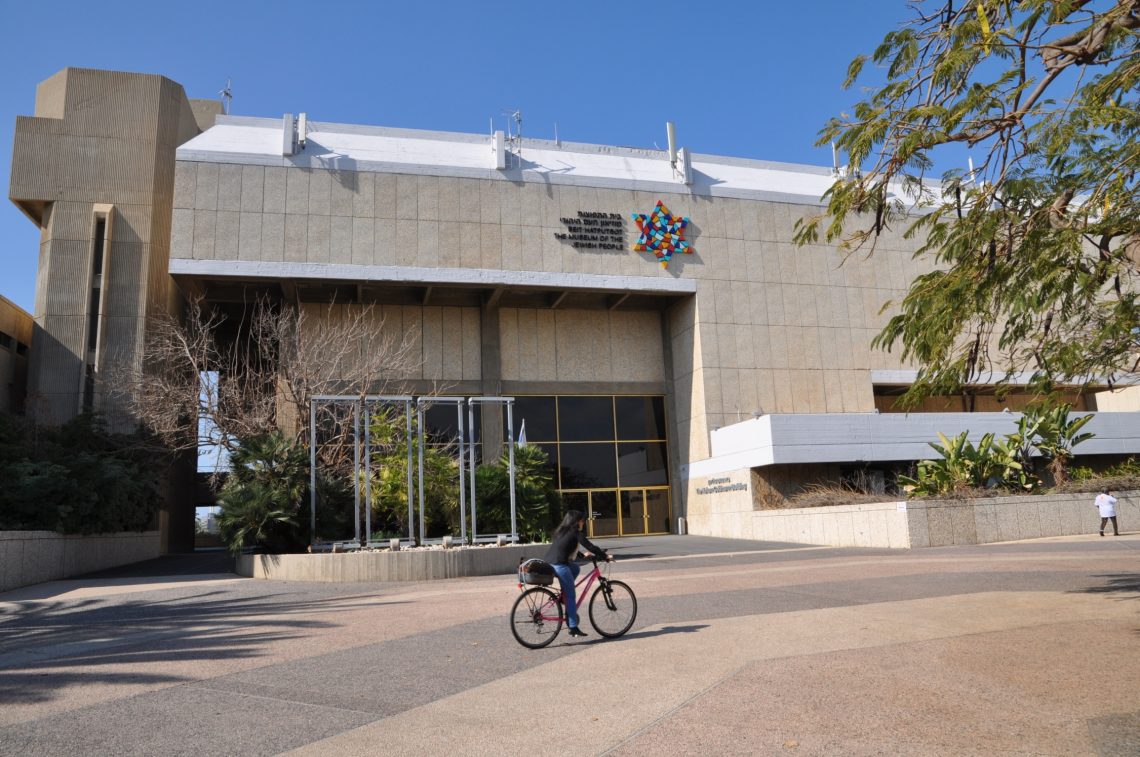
(536, 617)
(613, 608)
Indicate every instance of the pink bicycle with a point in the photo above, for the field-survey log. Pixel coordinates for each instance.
(537, 615)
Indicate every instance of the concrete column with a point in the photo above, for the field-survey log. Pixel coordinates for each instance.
(676, 488)
(492, 384)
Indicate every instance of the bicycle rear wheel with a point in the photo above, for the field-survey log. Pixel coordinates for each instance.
(536, 617)
(613, 608)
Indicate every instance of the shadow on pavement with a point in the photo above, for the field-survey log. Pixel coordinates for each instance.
(1115, 583)
(43, 643)
(659, 632)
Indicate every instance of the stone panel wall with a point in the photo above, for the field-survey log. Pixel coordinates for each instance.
(905, 524)
(31, 557)
(417, 565)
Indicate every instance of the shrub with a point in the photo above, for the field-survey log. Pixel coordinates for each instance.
(963, 466)
(261, 498)
(390, 485)
(537, 502)
(1002, 464)
(78, 478)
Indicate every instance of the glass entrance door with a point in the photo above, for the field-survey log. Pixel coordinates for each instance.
(633, 512)
(603, 513)
(656, 511)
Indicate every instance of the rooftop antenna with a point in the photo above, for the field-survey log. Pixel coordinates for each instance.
(679, 160)
(556, 142)
(227, 97)
(514, 141)
(835, 172)
(970, 163)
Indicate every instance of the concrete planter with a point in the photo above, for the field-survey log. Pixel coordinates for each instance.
(32, 557)
(939, 523)
(389, 566)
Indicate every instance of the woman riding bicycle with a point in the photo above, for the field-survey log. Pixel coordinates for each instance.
(564, 547)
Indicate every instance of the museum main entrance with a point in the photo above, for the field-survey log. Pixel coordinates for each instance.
(608, 455)
(624, 512)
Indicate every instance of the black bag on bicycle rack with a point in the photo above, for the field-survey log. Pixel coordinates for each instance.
(535, 572)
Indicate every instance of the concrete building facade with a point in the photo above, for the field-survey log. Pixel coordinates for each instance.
(94, 170)
(516, 272)
(669, 346)
(15, 342)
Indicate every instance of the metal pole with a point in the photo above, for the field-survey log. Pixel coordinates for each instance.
(408, 486)
(312, 473)
(471, 452)
(511, 464)
(367, 474)
(356, 468)
(462, 488)
(420, 437)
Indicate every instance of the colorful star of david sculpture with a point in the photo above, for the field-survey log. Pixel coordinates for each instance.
(662, 233)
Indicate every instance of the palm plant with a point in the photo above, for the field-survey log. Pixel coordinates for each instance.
(963, 466)
(262, 494)
(536, 499)
(389, 480)
(1057, 434)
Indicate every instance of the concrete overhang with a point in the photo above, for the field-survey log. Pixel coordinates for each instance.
(321, 282)
(874, 437)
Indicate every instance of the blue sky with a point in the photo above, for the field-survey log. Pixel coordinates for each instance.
(752, 80)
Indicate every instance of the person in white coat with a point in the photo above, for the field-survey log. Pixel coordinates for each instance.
(1106, 503)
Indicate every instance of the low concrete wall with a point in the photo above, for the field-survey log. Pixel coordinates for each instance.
(389, 566)
(940, 523)
(984, 521)
(32, 557)
(882, 524)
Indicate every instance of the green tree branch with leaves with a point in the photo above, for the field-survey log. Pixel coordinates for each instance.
(1034, 254)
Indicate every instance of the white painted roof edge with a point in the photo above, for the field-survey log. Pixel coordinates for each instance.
(515, 175)
(534, 143)
(601, 166)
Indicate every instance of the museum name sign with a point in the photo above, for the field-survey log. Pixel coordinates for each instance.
(591, 230)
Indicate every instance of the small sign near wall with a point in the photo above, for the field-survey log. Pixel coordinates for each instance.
(901, 506)
(722, 484)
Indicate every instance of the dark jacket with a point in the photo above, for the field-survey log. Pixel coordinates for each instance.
(563, 546)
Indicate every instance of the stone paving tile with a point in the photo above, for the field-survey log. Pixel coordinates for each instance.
(340, 656)
(181, 720)
(981, 694)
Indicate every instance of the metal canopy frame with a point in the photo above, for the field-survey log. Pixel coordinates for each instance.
(510, 403)
(422, 403)
(362, 410)
(360, 406)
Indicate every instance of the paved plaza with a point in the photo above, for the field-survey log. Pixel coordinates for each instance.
(739, 648)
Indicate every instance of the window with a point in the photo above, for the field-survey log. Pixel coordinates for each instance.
(540, 416)
(598, 441)
(640, 417)
(585, 419)
(642, 464)
(588, 465)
